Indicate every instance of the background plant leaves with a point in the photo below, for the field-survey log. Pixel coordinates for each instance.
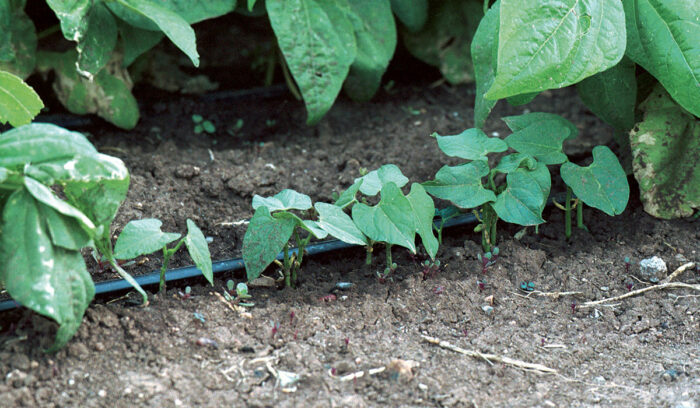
(576, 40)
(666, 152)
(412, 13)
(19, 104)
(612, 94)
(663, 36)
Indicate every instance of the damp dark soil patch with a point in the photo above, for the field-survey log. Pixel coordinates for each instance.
(640, 352)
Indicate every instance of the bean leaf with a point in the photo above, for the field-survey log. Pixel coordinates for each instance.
(423, 210)
(284, 200)
(525, 196)
(140, 237)
(198, 248)
(19, 104)
(551, 44)
(602, 184)
(264, 239)
(472, 144)
(461, 185)
(375, 180)
(338, 224)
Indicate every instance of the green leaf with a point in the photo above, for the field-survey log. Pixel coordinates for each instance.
(472, 144)
(41, 142)
(520, 122)
(284, 200)
(107, 95)
(484, 50)
(192, 11)
(66, 232)
(375, 32)
(169, 22)
(666, 152)
(338, 224)
(263, 240)
(412, 13)
(19, 104)
(47, 279)
(375, 180)
(348, 196)
(198, 248)
(663, 36)
(461, 185)
(315, 47)
(552, 44)
(141, 237)
(18, 43)
(514, 161)
(602, 184)
(136, 41)
(313, 228)
(47, 197)
(522, 99)
(612, 94)
(73, 16)
(390, 221)
(251, 5)
(444, 40)
(525, 196)
(96, 46)
(99, 200)
(423, 210)
(540, 135)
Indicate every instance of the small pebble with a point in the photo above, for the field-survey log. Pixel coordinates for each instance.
(652, 269)
(102, 393)
(599, 380)
(487, 309)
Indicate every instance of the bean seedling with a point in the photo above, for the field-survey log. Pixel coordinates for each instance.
(488, 259)
(521, 195)
(202, 125)
(141, 237)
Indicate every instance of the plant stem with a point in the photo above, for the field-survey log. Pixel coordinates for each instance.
(579, 215)
(389, 262)
(370, 249)
(167, 254)
(567, 213)
(286, 266)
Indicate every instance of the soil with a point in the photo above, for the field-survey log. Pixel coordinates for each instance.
(639, 352)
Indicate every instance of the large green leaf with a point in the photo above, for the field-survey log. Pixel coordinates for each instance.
(540, 136)
(602, 184)
(525, 196)
(136, 41)
(73, 15)
(169, 22)
(484, 50)
(445, 38)
(461, 185)
(554, 43)
(315, 48)
(47, 197)
(423, 210)
(19, 104)
(612, 94)
(663, 36)
(192, 11)
(108, 95)
(141, 237)
(66, 232)
(375, 32)
(263, 240)
(472, 144)
(198, 248)
(96, 46)
(47, 279)
(284, 200)
(17, 41)
(666, 153)
(41, 142)
(412, 13)
(337, 223)
(391, 221)
(375, 180)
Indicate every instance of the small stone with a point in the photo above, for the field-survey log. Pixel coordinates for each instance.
(102, 393)
(652, 269)
(20, 362)
(401, 369)
(487, 309)
(680, 258)
(423, 387)
(599, 380)
(78, 350)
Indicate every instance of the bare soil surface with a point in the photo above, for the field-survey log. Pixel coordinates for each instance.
(365, 348)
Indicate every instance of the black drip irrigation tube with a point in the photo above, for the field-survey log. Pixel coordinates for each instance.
(228, 265)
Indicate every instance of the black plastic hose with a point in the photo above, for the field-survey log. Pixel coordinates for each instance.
(153, 278)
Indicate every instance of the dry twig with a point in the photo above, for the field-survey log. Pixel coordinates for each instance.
(665, 284)
(491, 357)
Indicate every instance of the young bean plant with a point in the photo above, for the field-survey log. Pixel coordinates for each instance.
(141, 237)
(394, 220)
(521, 195)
